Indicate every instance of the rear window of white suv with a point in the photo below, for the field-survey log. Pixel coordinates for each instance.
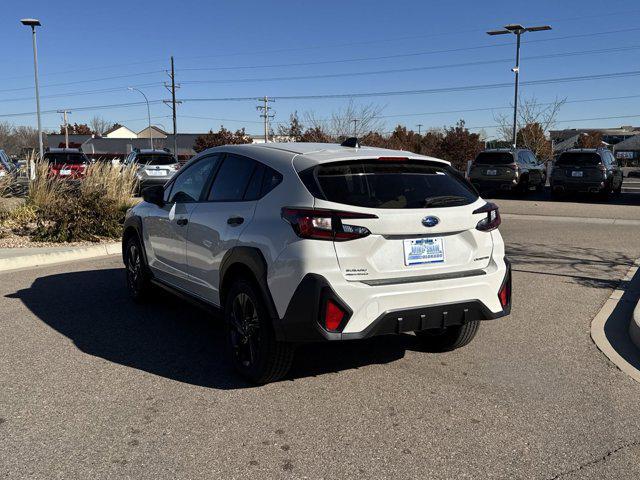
(388, 184)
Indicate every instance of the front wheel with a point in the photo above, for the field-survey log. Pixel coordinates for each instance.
(255, 353)
(448, 338)
(138, 278)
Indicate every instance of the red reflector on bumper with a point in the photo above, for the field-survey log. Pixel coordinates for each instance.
(333, 316)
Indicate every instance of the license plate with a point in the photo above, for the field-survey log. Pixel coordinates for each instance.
(418, 251)
(65, 172)
(492, 172)
(157, 173)
(576, 174)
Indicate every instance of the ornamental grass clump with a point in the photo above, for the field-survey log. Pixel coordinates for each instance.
(88, 209)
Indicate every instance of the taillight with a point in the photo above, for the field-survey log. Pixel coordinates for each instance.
(325, 224)
(393, 159)
(504, 294)
(333, 316)
(492, 220)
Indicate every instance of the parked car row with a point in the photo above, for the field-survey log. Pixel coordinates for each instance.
(577, 170)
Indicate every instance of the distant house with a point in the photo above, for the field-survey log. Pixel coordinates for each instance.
(568, 138)
(120, 132)
(152, 131)
(628, 151)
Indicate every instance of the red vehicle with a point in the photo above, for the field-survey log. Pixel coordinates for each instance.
(66, 162)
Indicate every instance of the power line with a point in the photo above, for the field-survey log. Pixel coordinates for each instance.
(369, 42)
(78, 82)
(412, 54)
(84, 92)
(92, 107)
(426, 91)
(412, 69)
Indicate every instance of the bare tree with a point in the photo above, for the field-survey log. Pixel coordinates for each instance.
(535, 119)
(99, 125)
(352, 120)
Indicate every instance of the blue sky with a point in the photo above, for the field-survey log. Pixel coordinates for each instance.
(105, 46)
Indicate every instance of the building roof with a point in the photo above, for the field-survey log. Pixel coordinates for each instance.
(566, 144)
(630, 144)
(153, 127)
(56, 140)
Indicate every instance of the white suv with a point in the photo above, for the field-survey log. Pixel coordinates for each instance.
(304, 242)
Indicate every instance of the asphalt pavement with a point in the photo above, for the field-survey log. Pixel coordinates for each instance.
(94, 386)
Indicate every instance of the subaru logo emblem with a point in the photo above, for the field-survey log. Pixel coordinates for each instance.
(430, 221)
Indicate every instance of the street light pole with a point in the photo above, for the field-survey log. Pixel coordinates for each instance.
(33, 23)
(517, 30)
(131, 89)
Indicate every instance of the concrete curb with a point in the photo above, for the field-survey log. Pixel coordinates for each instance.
(613, 323)
(47, 258)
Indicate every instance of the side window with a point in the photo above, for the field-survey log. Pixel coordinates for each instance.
(522, 158)
(232, 179)
(270, 181)
(532, 159)
(187, 187)
(255, 184)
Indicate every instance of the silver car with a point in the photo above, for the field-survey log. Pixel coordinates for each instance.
(154, 167)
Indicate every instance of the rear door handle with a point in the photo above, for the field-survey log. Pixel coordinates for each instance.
(182, 221)
(234, 221)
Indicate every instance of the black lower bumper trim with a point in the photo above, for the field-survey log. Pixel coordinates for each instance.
(301, 322)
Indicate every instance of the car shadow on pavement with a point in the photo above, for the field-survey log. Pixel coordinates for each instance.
(625, 198)
(168, 336)
(587, 266)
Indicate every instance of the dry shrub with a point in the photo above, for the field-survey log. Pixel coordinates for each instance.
(84, 210)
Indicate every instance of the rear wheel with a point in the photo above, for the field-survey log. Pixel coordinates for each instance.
(255, 352)
(448, 338)
(138, 278)
(618, 189)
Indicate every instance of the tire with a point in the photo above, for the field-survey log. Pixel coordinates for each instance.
(255, 353)
(523, 187)
(451, 338)
(618, 190)
(138, 277)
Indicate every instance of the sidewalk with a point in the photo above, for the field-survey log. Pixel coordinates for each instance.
(15, 258)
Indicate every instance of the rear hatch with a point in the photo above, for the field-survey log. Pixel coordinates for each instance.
(579, 167)
(489, 166)
(157, 165)
(67, 164)
(421, 218)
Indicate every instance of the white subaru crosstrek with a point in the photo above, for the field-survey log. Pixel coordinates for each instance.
(307, 242)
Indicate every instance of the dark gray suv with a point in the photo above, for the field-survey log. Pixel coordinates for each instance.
(586, 170)
(507, 169)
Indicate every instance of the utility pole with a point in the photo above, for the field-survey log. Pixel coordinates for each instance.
(419, 129)
(173, 102)
(355, 126)
(265, 115)
(66, 126)
(517, 30)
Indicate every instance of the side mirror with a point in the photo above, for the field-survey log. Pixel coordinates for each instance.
(154, 194)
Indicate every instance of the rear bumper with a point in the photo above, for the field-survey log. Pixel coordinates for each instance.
(569, 186)
(302, 321)
(497, 184)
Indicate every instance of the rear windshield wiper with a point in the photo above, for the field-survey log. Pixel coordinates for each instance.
(445, 200)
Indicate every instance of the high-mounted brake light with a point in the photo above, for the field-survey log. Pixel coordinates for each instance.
(393, 159)
(325, 224)
(492, 220)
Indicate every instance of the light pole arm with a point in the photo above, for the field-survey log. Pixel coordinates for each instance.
(148, 114)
